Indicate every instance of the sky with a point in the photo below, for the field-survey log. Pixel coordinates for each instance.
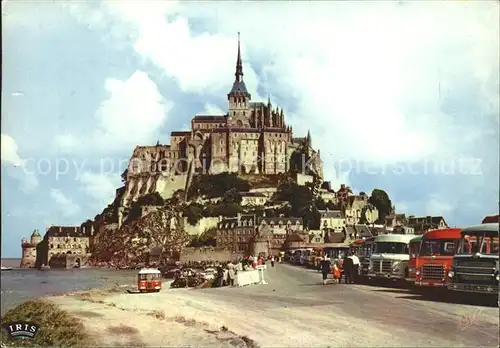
(397, 95)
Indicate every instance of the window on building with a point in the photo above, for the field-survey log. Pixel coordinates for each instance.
(52, 246)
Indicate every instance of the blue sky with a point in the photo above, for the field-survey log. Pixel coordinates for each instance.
(398, 95)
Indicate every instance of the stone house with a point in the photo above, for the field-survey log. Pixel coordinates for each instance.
(395, 220)
(294, 241)
(278, 228)
(332, 219)
(362, 231)
(328, 195)
(358, 210)
(316, 237)
(425, 223)
(61, 241)
(237, 234)
(253, 198)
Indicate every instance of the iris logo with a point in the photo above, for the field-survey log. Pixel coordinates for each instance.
(22, 329)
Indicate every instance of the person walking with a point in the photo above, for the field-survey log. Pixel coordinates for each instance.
(336, 272)
(231, 272)
(355, 267)
(220, 276)
(347, 266)
(272, 261)
(325, 268)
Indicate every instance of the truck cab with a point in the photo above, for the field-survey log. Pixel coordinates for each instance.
(390, 257)
(475, 264)
(435, 258)
(412, 262)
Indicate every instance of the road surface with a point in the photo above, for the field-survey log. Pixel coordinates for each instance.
(295, 309)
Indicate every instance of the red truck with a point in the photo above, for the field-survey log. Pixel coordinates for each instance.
(435, 258)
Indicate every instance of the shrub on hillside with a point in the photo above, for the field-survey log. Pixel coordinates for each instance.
(217, 185)
(58, 328)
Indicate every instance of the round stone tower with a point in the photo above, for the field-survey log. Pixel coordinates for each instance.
(28, 259)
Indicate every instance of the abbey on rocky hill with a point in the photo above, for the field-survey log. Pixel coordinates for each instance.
(251, 138)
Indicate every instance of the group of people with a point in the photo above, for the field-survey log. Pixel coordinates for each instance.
(349, 269)
(226, 272)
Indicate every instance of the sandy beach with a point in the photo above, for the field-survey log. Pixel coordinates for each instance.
(116, 318)
(293, 309)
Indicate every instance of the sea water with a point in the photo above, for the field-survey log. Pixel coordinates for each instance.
(20, 285)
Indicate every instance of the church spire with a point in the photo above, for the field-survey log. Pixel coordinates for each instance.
(239, 66)
(239, 89)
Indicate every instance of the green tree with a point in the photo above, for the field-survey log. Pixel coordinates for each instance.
(208, 237)
(232, 197)
(380, 200)
(299, 197)
(320, 203)
(330, 205)
(193, 213)
(217, 185)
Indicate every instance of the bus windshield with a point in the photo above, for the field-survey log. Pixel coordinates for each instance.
(478, 243)
(437, 247)
(414, 247)
(390, 248)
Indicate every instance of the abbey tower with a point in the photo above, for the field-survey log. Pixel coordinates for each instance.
(251, 138)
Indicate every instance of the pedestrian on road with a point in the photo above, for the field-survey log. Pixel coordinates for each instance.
(220, 276)
(355, 266)
(272, 261)
(231, 272)
(336, 272)
(325, 268)
(348, 267)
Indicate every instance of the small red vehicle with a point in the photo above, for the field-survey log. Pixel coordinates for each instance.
(414, 248)
(149, 280)
(436, 257)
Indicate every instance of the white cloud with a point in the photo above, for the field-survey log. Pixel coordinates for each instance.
(65, 205)
(439, 206)
(9, 151)
(132, 115)
(348, 71)
(100, 187)
(211, 109)
(17, 166)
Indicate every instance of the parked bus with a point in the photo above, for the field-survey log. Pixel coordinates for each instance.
(436, 256)
(367, 253)
(412, 262)
(491, 219)
(475, 264)
(315, 258)
(301, 256)
(336, 251)
(390, 256)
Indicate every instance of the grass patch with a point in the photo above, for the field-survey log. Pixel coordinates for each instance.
(123, 330)
(160, 315)
(250, 343)
(57, 327)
